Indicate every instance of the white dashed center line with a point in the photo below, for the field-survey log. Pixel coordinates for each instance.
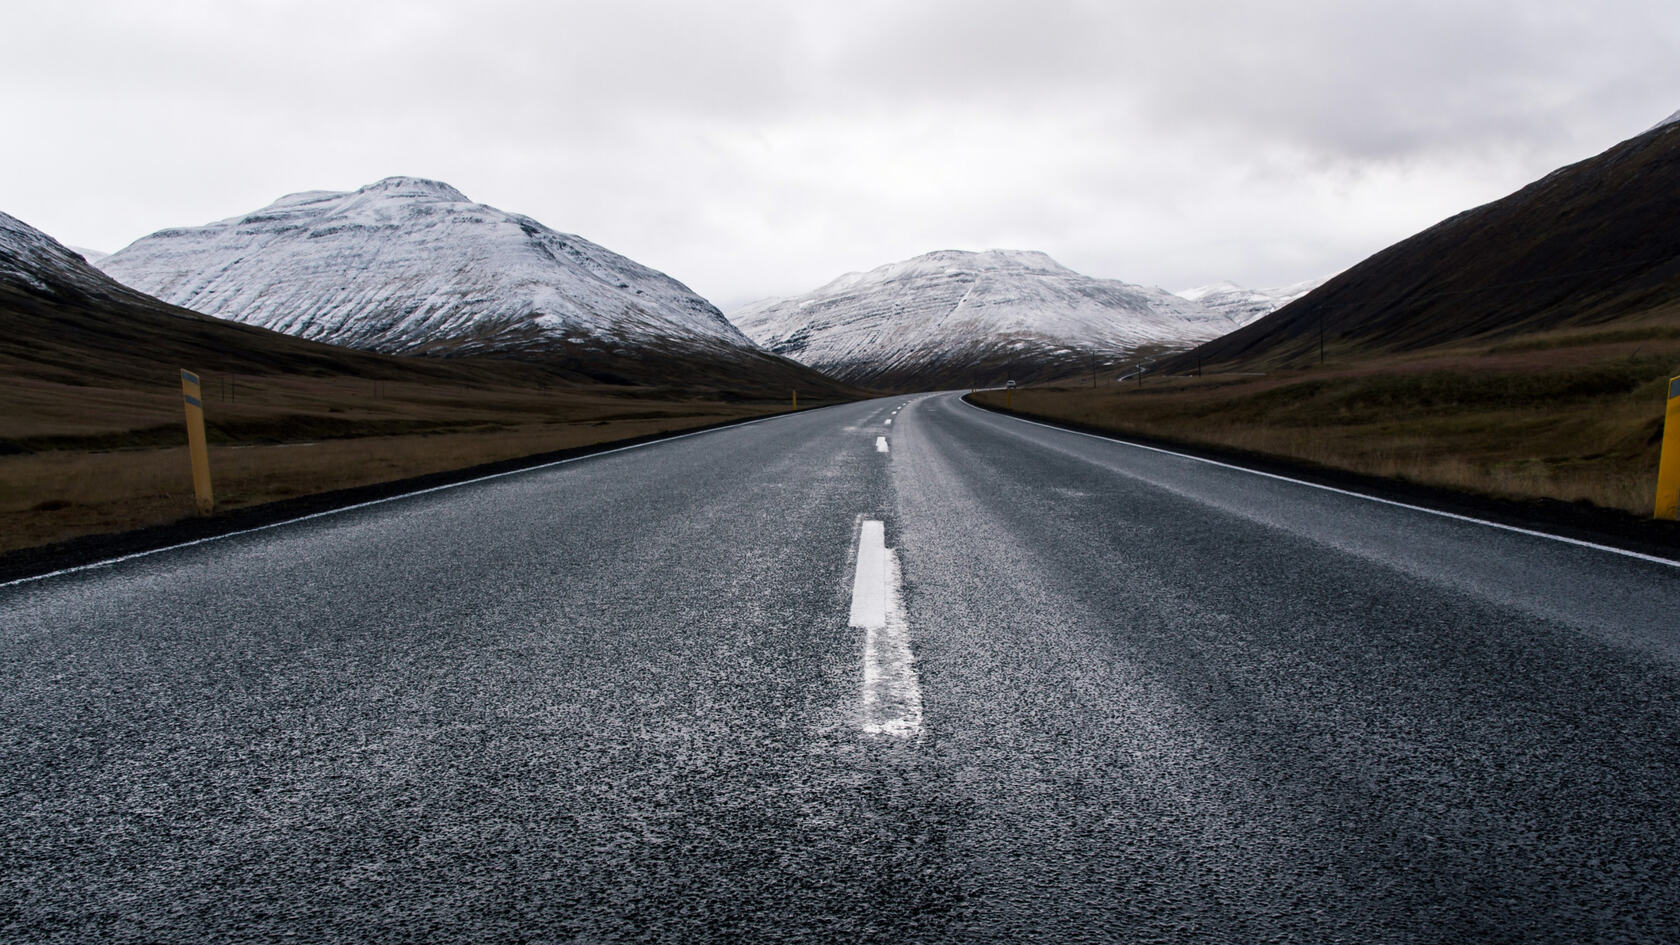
(892, 695)
(880, 444)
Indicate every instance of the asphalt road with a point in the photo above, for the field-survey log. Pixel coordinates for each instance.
(1067, 690)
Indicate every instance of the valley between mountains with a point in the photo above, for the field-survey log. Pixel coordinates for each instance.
(348, 339)
(1516, 351)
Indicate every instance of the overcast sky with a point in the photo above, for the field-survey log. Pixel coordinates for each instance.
(753, 149)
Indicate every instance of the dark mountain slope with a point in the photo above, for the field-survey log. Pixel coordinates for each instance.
(1592, 243)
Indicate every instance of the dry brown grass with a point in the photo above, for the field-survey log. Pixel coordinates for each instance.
(104, 460)
(51, 496)
(1575, 418)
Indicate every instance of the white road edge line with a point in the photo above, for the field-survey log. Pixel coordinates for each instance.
(371, 502)
(881, 444)
(1670, 562)
(891, 694)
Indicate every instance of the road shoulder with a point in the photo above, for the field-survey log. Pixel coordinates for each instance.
(1580, 521)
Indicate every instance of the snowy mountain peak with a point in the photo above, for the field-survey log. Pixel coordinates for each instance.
(933, 318)
(1218, 288)
(413, 187)
(964, 260)
(948, 262)
(1670, 120)
(408, 265)
(1027, 259)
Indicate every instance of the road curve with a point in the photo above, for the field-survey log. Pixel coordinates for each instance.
(1066, 690)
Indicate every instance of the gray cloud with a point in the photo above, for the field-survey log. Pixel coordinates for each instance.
(755, 148)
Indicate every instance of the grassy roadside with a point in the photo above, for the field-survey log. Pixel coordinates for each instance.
(1567, 416)
(93, 461)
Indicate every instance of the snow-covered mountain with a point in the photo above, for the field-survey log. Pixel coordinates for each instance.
(949, 317)
(1242, 305)
(65, 321)
(34, 260)
(411, 266)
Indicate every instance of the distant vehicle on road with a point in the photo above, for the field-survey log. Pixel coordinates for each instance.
(1010, 385)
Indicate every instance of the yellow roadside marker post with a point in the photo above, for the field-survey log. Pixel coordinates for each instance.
(1668, 469)
(193, 396)
(796, 400)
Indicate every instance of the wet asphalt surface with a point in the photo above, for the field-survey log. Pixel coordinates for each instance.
(618, 700)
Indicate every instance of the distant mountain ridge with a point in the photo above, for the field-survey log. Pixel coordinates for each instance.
(1243, 305)
(411, 266)
(951, 317)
